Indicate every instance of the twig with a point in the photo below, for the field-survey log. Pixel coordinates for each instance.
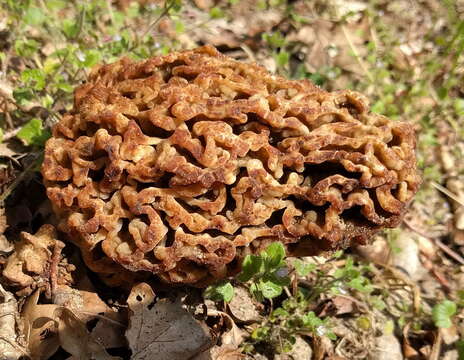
(356, 54)
(10, 134)
(246, 49)
(436, 347)
(448, 193)
(14, 345)
(21, 177)
(105, 318)
(153, 23)
(55, 260)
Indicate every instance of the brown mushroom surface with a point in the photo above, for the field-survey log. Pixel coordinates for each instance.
(181, 164)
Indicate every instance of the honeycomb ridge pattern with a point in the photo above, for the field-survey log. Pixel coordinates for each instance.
(182, 164)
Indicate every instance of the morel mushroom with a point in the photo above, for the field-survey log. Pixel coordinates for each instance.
(181, 164)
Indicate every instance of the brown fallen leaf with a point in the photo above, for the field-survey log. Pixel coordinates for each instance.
(28, 267)
(49, 326)
(229, 341)
(11, 340)
(88, 306)
(232, 336)
(164, 331)
(40, 328)
(75, 339)
(338, 305)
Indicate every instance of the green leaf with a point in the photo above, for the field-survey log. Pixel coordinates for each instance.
(460, 348)
(70, 28)
(255, 290)
(216, 13)
(251, 265)
(26, 47)
(34, 16)
(459, 106)
(23, 95)
(260, 333)
(442, 313)
(311, 320)
(331, 335)
(33, 133)
(279, 312)
(55, 5)
(223, 291)
(278, 277)
(133, 10)
(282, 58)
(275, 254)
(274, 40)
(179, 26)
(270, 289)
(361, 284)
(337, 254)
(302, 268)
(35, 78)
(65, 87)
(92, 57)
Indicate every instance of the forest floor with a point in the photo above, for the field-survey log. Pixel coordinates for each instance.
(400, 298)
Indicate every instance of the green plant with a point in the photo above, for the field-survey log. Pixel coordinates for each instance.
(223, 291)
(266, 272)
(443, 312)
(292, 318)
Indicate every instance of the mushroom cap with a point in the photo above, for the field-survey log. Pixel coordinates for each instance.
(182, 164)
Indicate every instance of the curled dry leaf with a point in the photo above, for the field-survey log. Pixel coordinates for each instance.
(232, 336)
(163, 331)
(28, 267)
(40, 328)
(88, 306)
(229, 342)
(109, 330)
(49, 326)
(75, 339)
(11, 342)
(338, 305)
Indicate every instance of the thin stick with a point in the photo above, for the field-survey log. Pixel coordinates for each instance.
(10, 134)
(59, 245)
(356, 54)
(447, 193)
(24, 174)
(105, 318)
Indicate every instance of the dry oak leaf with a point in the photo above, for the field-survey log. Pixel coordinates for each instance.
(165, 331)
(88, 306)
(230, 340)
(28, 267)
(49, 326)
(76, 340)
(39, 327)
(11, 340)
